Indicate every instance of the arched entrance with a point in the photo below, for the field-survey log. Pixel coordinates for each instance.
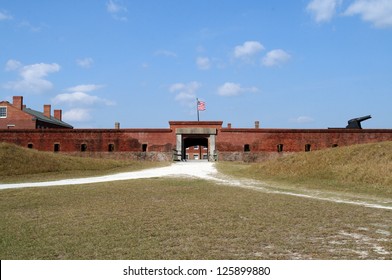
(198, 143)
(195, 147)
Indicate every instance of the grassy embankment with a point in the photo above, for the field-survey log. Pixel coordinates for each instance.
(362, 169)
(24, 165)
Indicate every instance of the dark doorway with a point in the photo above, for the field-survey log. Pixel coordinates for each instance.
(83, 147)
(195, 147)
(246, 148)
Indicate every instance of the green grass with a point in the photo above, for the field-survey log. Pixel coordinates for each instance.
(361, 169)
(19, 164)
(184, 219)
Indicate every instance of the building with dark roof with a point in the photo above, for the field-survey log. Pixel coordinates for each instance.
(17, 116)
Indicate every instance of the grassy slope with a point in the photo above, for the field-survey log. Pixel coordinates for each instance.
(363, 169)
(21, 164)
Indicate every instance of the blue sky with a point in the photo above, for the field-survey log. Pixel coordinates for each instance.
(288, 64)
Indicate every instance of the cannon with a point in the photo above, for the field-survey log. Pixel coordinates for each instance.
(356, 123)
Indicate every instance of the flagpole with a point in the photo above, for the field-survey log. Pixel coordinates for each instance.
(197, 109)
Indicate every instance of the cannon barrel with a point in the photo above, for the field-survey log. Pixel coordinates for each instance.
(356, 123)
(361, 119)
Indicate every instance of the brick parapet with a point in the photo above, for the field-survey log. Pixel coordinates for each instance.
(231, 143)
(301, 130)
(295, 140)
(92, 140)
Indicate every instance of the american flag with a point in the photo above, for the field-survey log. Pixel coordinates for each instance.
(201, 106)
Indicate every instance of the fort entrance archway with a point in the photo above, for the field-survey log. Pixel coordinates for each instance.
(202, 138)
(195, 147)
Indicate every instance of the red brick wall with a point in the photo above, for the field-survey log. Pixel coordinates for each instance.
(229, 141)
(294, 140)
(16, 117)
(96, 140)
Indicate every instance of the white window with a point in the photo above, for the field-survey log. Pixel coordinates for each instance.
(196, 157)
(3, 112)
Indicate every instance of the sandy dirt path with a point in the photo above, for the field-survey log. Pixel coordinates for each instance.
(203, 170)
(207, 171)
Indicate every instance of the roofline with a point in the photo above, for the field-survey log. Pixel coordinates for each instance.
(41, 117)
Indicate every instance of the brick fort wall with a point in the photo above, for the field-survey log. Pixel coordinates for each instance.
(158, 144)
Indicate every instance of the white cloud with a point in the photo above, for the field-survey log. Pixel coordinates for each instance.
(275, 57)
(302, 119)
(80, 102)
(4, 15)
(29, 26)
(378, 12)
(248, 49)
(203, 63)
(232, 89)
(85, 88)
(77, 115)
(114, 7)
(323, 10)
(185, 93)
(12, 65)
(116, 10)
(85, 62)
(176, 87)
(32, 76)
(79, 97)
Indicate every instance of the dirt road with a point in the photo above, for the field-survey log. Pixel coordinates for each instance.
(207, 171)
